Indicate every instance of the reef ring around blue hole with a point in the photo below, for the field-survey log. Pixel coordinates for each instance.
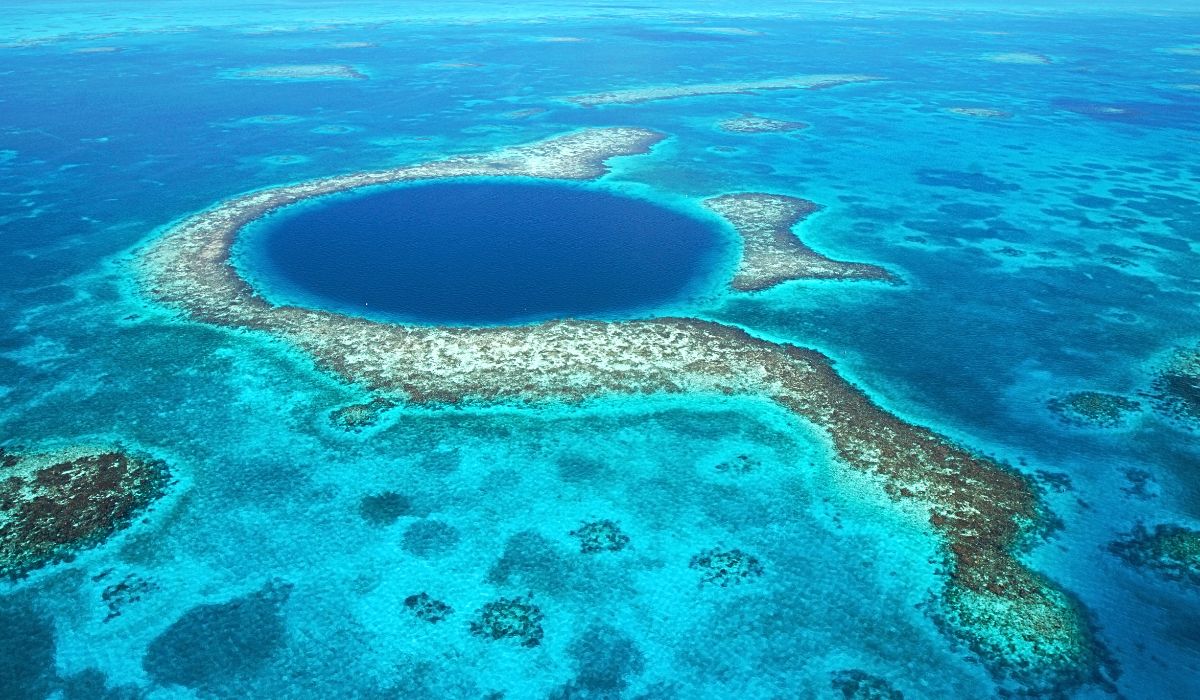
(482, 252)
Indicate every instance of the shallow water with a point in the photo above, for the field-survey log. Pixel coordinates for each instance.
(1050, 251)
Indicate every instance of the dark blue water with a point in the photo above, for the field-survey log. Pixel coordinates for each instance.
(485, 253)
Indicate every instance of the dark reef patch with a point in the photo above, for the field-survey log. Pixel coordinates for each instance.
(975, 182)
(510, 618)
(1175, 391)
(213, 644)
(1170, 551)
(531, 561)
(600, 536)
(854, 684)
(739, 465)
(430, 538)
(130, 589)
(427, 608)
(726, 568)
(355, 417)
(27, 648)
(1093, 409)
(54, 505)
(383, 509)
(605, 661)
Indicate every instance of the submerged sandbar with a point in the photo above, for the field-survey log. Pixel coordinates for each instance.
(1028, 631)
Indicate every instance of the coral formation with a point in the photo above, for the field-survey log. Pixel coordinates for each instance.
(981, 112)
(427, 608)
(130, 589)
(982, 511)
(751, 124)
(355, 417)
(319, 71)
(854, 684)
(1093, 409)
(726, 567)
(741, 464)
(1171, 551)
(510, 618)
(635, 95)
(1175, 391)
(771, 253)
(55, 504)
(600, 536)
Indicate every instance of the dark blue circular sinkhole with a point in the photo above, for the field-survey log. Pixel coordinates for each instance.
(482, 253)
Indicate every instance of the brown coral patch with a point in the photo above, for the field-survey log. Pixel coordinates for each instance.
(52, 506)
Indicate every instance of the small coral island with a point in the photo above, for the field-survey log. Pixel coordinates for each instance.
(751, 124)
(55, 504)
(1026, 629)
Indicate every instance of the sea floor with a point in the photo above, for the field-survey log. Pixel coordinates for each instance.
(1027, 175)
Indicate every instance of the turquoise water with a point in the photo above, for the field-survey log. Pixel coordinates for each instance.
(1049, 251)
(484, 253)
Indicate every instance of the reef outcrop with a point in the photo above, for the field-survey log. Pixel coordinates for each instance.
(600, 536)
(726, 568)
(316, 71)
(751, 124)
(771, 253)
(510, 618)
(1023, 626)
(55, 504)
(649, 94)
(1093, 409)
(1170, 551)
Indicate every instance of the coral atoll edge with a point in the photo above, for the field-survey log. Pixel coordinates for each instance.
(1026, 629)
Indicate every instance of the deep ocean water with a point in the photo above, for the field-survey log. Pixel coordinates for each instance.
(1030, 173)
(483, 253)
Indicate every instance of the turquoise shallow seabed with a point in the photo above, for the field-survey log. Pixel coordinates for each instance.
(1049, 250)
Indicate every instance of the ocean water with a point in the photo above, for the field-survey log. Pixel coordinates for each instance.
(1049, 250)
(486, 253)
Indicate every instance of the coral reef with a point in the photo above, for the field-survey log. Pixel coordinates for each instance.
(1093, 409)
(1170, 551)
(318, 71)
(355, 417)
(1175, 392)
(648, 94)
(510, 618)
(726, 567)
(982, 511)
(741, 464)
(55, 504)
(600, 536)
(130, 589)
(771, 253)
(751, 124)
(427, 608)
(854, 684)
